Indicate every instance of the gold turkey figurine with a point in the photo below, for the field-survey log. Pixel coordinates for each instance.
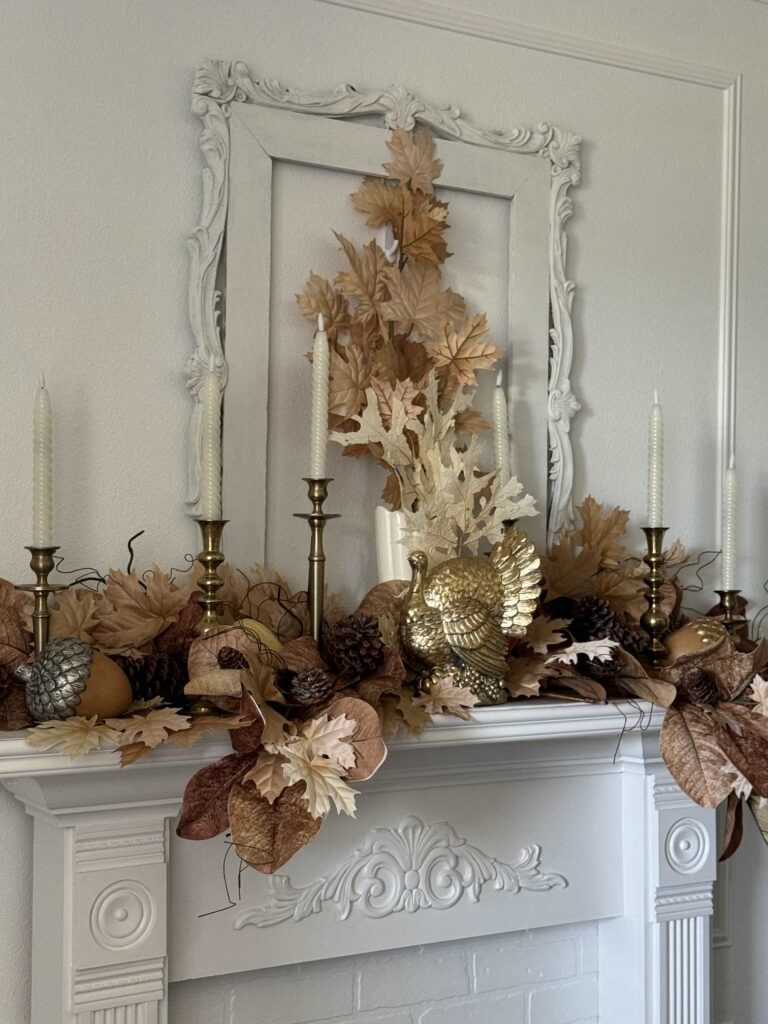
(457, 618)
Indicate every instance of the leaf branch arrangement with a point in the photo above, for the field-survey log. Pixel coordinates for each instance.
(405, 354)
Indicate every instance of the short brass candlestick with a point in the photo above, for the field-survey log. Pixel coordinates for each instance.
(654, 619)
(317, 491)
(210, 583)
(732, 619)
(41, 564)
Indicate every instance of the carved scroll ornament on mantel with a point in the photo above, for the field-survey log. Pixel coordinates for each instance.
(219, 84)
(412, 867)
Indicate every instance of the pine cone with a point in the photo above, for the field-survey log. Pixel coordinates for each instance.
(229, 657)
(155, 675)
(595, 619)
(698, 686)
(354, 646)
(312, 686)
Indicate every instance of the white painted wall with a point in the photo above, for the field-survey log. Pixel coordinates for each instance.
(100, 187)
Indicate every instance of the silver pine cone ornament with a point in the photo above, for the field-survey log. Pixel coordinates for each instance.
(56, 678)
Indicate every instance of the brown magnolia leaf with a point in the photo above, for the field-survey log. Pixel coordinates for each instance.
(179, 636)
(382, 201)
(206, 725)
(301, 654)
(365, 282)
(221, 682)
(266, 835)
(14, 713)
(732, 670)
(74, 613)
(388, 677)
(18, 601)
(746, 745)
(136, 611)
(248, 739)
(568, 573)
(404, 391)
(350, 375)
(602, 530)
(634, 680)
(558, 679)
(469, 422)
(524, 675)
(413, 159)
(460, 351)
(319, 296)
(759, 808)
(691, 749)
(15, 641)
(370, 749)
(204, 807)
(734, 827)
(418, 301)
(385, 603)
(543, 633)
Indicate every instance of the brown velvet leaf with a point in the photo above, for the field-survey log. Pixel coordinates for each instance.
(370, 749)
(249, 738)
(388, 678)
(266, 835)
(732, 670)
(204, 811)
(635, 681)
(746, 747)
(759, 810)
(13, 707)
(15, 641)
(690, 746)
(301, 654)
(734, 826)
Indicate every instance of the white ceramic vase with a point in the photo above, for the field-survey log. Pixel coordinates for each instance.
(391, 552)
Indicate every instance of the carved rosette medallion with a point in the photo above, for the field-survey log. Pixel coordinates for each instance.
(687, 846)
(122, 915)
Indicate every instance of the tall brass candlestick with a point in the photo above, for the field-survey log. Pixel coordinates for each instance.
(317, 491)
(654, 619)
(732, 619)
(42, 565)
(210, 582)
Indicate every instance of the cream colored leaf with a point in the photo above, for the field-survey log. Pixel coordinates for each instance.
(543, 633)
(329, 737)
(412, 714)
(136, 611)
(404, 391)
(260, 683)
(366, 281)
(459, 352)
(413, 159)
(418, 301)
(445, 698)
(594, 650)
(323, 780)
(150, 729)
(350, 375)
(319, 296)
(525, 675)
(76, 614)
(396, 450)
(382, 201)
(268, 775)
(76, 736)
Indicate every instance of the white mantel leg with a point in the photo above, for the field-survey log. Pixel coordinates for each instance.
(99, 912)
(670, 867)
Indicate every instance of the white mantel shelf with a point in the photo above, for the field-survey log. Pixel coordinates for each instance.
(532, 814)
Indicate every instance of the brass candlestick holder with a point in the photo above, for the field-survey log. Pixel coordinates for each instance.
(41, 564)
(210, 583)
(732, 619)
(654, 619)
(317, 491)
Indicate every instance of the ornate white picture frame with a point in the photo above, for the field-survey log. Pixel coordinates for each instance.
(220, 87)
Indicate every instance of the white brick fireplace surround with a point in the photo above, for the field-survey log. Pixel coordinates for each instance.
(534, 866)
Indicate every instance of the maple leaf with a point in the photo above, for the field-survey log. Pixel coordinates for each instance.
(568, 572)
(268, 776)
(76, 614)
(404, 391)
(205, 725)
(367, 743)
(417, 300)
(601, 531)
(470, 422)
(382, 201)
(421, 234)
(76, 736)
(134, 614)
(542, 633)
(319, 296)
(676, 555)
(594, 650)
(350, 375)
(366, 281)
(413, 159)
(759, 694)
(401, 359)
(445, 698)
(413, 716)
(460, 351)
(323, 780)
(329, 736)
(524, 675)
(150, 729)
(259, 681)
(623, 588)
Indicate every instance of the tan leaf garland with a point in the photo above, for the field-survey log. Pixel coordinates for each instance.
(350, 375)
(133, 614)
(418, 301)
(460, 351)
(319, 296)
(76, 736)
(445, 698)
(366, 280)
(76, 613)
(413, 159)
(266, 835)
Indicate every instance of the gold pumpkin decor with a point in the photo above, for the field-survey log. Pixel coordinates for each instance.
(456, 619)
(693, 638)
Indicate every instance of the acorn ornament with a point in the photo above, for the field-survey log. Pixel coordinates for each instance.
(70, 678)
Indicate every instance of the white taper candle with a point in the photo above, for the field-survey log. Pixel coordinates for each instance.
(729, 527)
(42, 469)
(211, 481)
(656, 465)
(500, 431)
(319, 434)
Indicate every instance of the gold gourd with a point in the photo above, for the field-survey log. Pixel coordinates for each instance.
(457, 618)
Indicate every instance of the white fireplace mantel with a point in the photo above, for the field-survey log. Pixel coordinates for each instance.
(530, 815)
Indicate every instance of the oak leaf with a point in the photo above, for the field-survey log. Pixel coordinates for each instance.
(417, 300)
(445, 698)
(136, 611)
(204, 807)
(266, 835)
(413, 159)
(268, 775)
(320, 297)
(594, 650)
(76, 736)
(460, 351)
(543, 633)
(366, 281)
(370, 749)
